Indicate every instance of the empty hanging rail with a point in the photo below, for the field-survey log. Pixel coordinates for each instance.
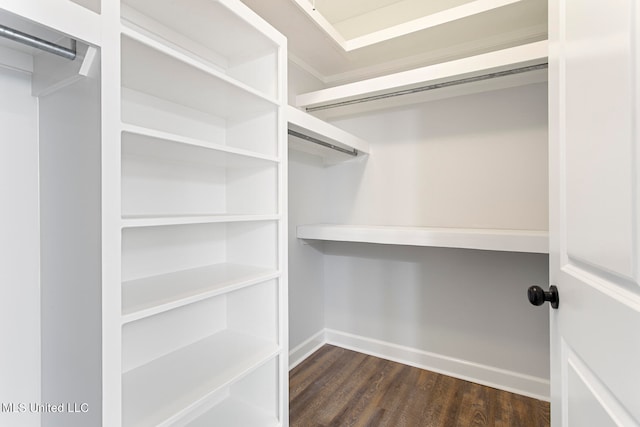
(38, 43)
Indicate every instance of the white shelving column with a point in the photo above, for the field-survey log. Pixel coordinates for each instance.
(203, 291)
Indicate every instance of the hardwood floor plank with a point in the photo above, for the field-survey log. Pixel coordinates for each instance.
(343, 388)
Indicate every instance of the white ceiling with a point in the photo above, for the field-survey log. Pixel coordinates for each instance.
(357, 18)
(347, 40)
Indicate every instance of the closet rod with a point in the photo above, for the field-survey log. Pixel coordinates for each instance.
(431, 87)
(38, 43)
(353, 152)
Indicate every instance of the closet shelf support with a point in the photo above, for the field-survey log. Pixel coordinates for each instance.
(38, 43)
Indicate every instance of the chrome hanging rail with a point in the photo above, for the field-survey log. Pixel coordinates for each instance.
(38, 43)
(430, 87)
(353, 152)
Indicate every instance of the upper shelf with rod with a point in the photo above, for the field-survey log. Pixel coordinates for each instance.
(310, 134)
(38, 43)
(63, 62)
(516, 66)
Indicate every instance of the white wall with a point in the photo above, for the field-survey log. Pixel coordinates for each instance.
(19, 256)
(306, 263)
(71, 252)
(459, 304)
(307, 195)
(472, 161)
(300, 81)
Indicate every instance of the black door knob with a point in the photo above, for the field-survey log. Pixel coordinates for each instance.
(538, 296)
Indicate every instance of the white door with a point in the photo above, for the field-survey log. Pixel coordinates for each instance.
(594, 90)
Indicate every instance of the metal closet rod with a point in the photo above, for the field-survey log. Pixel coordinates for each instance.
(431, 87)
(38, 43)
(353, 152)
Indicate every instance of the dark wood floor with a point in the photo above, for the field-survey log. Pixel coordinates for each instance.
(338, 387)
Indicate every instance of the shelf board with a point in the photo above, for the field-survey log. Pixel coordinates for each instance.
(225, 28)
(184, 57)
(133, 221)
(169, 388)
(234, 412)
(143, 57)
(161, 147)
(313, 127)
(149, 296)
(453, 78)
(485, 239)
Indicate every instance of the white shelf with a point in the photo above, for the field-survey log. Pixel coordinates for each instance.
(142, 58)
(169, 388)
(216, 152)
(153, 295)
(184, 57)
(135, 221)
(222, 33)
(233, 412)
(414, 84)
(467, 238)
(311, 126)
(154, 251)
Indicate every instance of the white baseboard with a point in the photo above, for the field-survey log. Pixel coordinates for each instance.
(502, 379)
(306, 349)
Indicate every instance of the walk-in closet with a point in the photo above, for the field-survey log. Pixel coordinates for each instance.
(201, 198)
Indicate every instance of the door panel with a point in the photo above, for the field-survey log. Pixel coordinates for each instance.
(594, 215)
(599, 159)
(599, 328)
(587, 407)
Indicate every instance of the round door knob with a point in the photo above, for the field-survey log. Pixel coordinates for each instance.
(538, 296)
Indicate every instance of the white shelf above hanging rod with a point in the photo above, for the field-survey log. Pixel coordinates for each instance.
(38, 43)
(514, 66)
(315, 136)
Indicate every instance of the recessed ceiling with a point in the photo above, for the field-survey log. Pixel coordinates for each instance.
(340, 41)
(359, 23)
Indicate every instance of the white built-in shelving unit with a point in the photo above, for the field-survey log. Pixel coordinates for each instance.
(203, 210)
(467, 238)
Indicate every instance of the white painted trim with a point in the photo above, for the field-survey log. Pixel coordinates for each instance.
(523, 36)
(321, 22)
(302, 351)
(450, 53)
(446, 16)
(502, 379)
